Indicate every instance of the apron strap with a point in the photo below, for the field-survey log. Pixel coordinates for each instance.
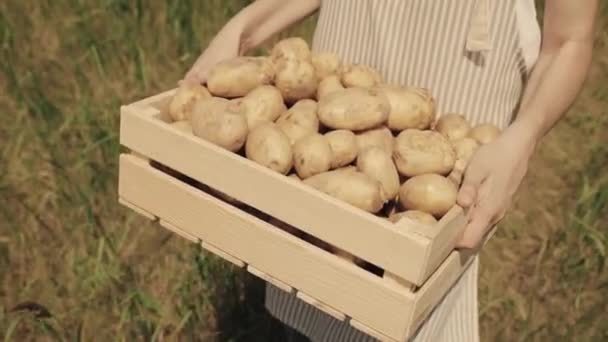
(478, 38)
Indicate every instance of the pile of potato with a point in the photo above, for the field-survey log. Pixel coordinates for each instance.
(337, 127)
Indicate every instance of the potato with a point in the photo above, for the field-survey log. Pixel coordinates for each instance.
(326, 64)
(290, 48)
(180, 106)
(484, 133)
(464, 148)
(430, 193)
(220, 122)
(415, 215)
(378, 164)
(296, 80)
(263, 104)
(300, 120)
(453, 126)
(358, 75)
(328, 85)
(343, 146)
(418, 152)
(411, 107)
(236, 77)
(183, 126)
(355, 109)
(312, 155)
(380, 137)
(351, 186)
(267, 145)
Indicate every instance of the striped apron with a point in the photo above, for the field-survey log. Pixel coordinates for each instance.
(468, 53)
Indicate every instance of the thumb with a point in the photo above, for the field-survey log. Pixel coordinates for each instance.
(473, 177)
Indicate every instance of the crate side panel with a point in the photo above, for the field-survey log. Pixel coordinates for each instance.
(348, 228)
(294, 262)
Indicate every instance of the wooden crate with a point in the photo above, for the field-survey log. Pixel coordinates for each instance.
(419, 261)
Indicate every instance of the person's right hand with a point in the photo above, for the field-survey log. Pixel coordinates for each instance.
(226, 44)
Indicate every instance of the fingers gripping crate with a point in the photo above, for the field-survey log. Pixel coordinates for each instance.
(225, 202)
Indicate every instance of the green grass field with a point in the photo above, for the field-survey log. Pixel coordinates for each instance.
(77, 266)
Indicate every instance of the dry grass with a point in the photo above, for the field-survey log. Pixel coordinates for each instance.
(105, 274)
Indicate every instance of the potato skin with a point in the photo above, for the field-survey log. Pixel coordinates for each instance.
(343, 145)
(300, 120)
(355, 109)
(312, 155)
(296, 80)
(415, 215)
(429, 193)
(484, 133)
(380, 137)
(180, 106)
(183, 126)
(464, 148)
(267, 145)
(378, 164)
(351, 186)
(358, 75)
(290, 48)
(453, 126)
(263, 104)
(236, 77)
(326, 64)
(220, 122)
(418, 152)
(411, 107)
(328, 85)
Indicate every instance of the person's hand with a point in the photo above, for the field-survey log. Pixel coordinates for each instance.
(226, 44)
(492, 177)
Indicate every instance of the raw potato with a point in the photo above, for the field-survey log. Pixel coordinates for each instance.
(263, 104)
(355, 109)
(411, 107)
(484, 133)
(180, 107)
(269, 146)
(358, 75)
(300, 120)
(236, 77)
(220, 122)
(378, 164)
(351, 186)
(453, 126)
(296, 80)
(415, 215)
(183, 126)
(430, 193)
(381, 137)
(328, 85)
(326, 64)
(464, 148)
(290, 48)
(312, 155)
(418, 152)
(343, 146)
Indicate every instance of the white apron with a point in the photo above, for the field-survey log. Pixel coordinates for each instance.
(473, 57)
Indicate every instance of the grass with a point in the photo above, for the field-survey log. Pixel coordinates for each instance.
(77, 266)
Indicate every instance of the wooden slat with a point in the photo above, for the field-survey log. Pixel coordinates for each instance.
(220, 253)
(179, 232)
(443, 236)
(323, 307)
(373, 333)
(136, 209)
(345, 287)
(431, 293)
(340, 224)
(281, 285)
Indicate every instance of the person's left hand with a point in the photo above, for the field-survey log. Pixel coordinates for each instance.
(492, 177)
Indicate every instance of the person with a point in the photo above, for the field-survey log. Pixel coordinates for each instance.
(487, 59)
